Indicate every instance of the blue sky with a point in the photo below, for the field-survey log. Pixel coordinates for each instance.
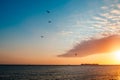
(22, 22)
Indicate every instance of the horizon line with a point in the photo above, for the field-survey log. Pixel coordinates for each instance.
(59, 64)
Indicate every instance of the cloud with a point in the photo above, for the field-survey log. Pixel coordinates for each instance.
(100, 19)
(104, 7)
(94, 46)
(108, 19)
(118, 5)
(115, 12)
(66, 32)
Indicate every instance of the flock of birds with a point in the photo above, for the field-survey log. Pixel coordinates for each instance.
(48, 13)
(49, 21)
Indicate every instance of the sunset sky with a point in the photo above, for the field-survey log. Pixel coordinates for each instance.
(80, 31)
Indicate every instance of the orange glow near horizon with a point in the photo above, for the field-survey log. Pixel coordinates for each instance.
(112, 57)
(92, 59)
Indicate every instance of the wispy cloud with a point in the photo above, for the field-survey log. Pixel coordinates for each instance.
(117, 12)
(104, 7)
(109, 17)
(118, 5)
(66, 32)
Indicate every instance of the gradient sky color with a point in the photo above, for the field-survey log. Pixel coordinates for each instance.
(23, 22)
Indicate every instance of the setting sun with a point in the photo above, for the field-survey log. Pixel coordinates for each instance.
(117, 55)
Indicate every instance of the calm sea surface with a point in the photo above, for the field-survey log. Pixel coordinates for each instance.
(59, 72)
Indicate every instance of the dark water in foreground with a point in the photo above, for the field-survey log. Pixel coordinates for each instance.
(59, 72)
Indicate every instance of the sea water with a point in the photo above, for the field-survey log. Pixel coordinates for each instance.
(59, 72)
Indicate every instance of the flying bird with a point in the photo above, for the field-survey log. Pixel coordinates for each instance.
(49, 21)
(75, 54)
(48, 11)
(42, 36)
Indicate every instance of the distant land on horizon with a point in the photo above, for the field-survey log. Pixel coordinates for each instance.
(59, 65)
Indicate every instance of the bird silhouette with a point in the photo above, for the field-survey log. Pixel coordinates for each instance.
(75, 54)
(48, 11)
(42, 36)
(49, 21)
